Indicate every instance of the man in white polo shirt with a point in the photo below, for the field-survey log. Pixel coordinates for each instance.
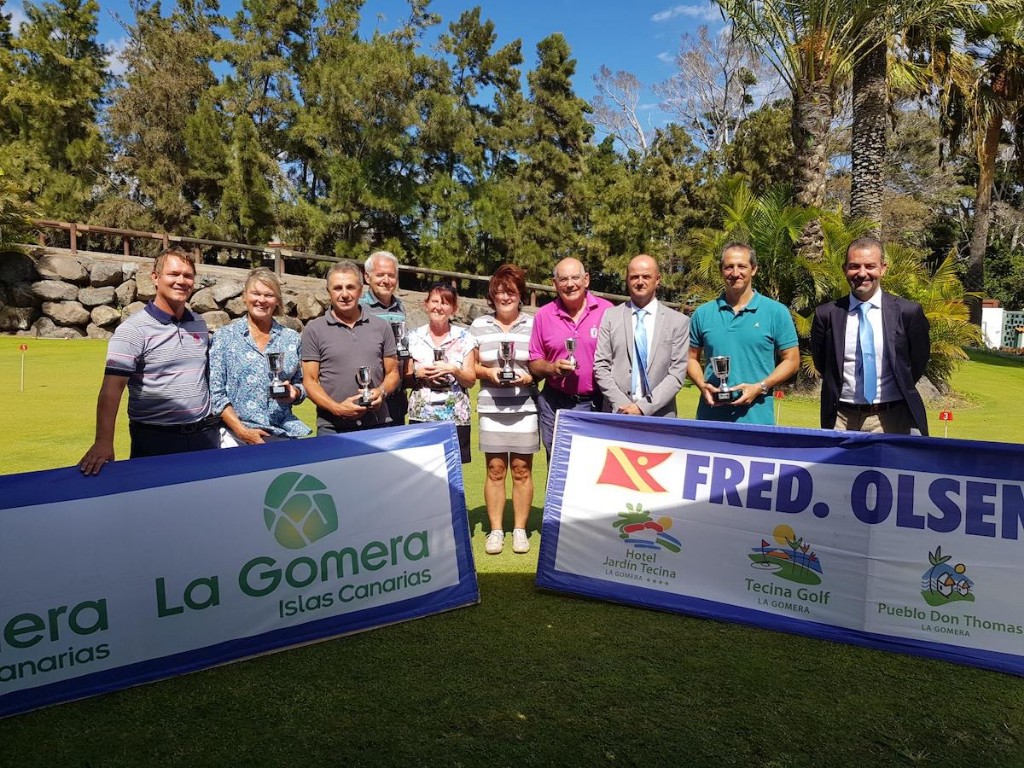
(160, 355)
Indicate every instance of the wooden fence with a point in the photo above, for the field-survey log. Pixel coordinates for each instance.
(276, 254)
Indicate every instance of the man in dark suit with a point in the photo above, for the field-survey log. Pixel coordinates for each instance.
(642, 328)
(870, 348)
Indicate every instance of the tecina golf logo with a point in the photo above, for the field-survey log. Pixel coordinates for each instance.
(298, 510)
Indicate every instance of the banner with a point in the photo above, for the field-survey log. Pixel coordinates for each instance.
(902, 543)
(170, 564)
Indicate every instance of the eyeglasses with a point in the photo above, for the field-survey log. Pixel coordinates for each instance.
(569, 279)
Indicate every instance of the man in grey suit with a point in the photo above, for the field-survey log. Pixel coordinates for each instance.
(642, 329)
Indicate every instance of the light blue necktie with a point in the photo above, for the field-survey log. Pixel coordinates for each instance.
(866, 354)
(641, 388)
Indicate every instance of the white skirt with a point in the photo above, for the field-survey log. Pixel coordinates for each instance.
(509, 433)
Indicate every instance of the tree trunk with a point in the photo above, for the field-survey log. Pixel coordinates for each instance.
(870, 124)
(813, 109)
(974, 281)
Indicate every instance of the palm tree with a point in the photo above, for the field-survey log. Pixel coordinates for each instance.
(982, 98)
(772, 225)
(816, 46)
(882, 64)
(812, 45)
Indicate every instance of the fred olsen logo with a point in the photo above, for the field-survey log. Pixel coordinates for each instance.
(298, 510)
(629, 468)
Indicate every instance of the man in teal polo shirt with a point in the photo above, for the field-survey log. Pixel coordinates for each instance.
(756, 334)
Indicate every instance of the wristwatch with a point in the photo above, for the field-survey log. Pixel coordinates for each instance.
(764, 389)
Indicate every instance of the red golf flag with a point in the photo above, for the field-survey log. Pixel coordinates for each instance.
(632, 469)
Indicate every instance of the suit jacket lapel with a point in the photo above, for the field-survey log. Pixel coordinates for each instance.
(627, 325)
(839, 316)
(659, 329)
(890, 322)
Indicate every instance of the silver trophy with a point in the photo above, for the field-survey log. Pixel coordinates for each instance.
(506, 354)
(448, 380)
(277, 388)
(570, 347)
(401, 339)
(363, 380)
(720, 365)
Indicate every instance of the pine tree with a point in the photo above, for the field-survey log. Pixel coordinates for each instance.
(55, 149)
(551, 210)
(168, 73)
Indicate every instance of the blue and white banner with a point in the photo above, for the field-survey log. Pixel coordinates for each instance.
(903, 543)
(167, 565)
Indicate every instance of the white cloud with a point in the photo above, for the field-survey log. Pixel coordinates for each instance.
(708, 12)
(17, 17)
(115, 64)
(667, 58)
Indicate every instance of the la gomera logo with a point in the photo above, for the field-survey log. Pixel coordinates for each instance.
(298, 510)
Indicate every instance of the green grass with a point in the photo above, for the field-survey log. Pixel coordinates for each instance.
(526, 678)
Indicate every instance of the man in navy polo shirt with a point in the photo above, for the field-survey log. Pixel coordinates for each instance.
(160, 355)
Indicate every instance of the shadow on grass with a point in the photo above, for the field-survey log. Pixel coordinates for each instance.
(529, 677)
(1000, 359)
(479, 524)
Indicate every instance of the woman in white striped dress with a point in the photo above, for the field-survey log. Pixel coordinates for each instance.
(507, 407)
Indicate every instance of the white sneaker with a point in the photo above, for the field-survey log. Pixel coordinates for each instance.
(495, 542)
(520, 544)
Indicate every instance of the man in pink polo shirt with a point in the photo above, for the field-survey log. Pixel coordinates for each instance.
(569, 377)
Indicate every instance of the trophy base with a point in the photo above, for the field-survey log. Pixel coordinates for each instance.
(506, 378)
(366, 401)
(727, 396)
(278, 390)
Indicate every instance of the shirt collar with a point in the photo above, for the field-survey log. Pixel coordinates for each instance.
(752, 305)
(590, 302)
(875, 301)
(333, 319)
(651, 308)
(166, 318)
(493, 320)
(370, 299)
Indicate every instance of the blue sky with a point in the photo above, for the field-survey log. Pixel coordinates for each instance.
(641, 37)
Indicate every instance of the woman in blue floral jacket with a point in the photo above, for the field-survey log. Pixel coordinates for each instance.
(240, 374)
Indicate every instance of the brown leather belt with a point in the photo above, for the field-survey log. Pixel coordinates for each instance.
(870, 408)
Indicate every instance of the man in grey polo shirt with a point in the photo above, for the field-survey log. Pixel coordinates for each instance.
(160, 355)
(336, 345)
(382, 301)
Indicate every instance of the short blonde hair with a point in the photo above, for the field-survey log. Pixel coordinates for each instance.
(269, 279)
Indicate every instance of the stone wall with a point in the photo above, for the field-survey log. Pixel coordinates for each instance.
(56, 296)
